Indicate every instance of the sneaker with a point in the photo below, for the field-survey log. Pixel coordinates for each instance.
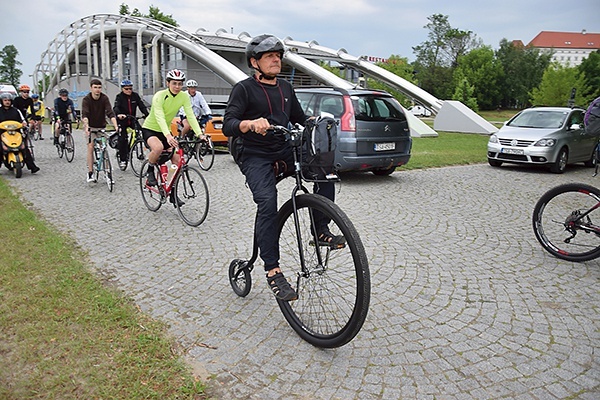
(151, 179)
(41, 138)
(281, 287)
(90, 177)
(179, 201)
(55, 141)
(35, 169)
(123, 165)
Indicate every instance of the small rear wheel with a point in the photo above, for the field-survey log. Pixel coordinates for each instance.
(69, 147)
(151, 195)
(191, 194)
(240, 277)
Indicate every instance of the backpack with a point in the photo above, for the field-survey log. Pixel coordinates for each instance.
(320, 136)
(592, 118)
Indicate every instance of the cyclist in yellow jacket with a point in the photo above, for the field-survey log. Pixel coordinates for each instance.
(165, 105)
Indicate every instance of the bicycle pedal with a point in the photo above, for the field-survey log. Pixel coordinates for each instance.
(326, 244)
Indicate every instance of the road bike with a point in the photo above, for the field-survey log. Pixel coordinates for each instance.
(333, 283)
(66, 143)
(200, 148)
(138, 151)
(181, 183)
(101, 162)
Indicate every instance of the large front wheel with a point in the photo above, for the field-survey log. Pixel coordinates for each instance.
(334, 286)
(566, 222)
(191, 192)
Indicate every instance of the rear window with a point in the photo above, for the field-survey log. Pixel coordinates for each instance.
(376, 108)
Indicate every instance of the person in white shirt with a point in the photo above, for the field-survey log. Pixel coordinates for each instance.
(199, 105)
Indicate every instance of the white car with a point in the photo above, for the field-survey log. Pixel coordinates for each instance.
(420, 111)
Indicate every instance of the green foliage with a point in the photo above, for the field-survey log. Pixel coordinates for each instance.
(437, 57)
(556, 85)
(8, 67)
(464, 93)
(153, 13)
(483, 72)
(523, 68)
(398, 66)
(590, 69)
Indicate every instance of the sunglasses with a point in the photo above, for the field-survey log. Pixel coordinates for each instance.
(24, 91)
(127, 88)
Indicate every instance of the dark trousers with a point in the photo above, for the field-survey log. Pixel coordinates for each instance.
(260, 178)
(123, 143)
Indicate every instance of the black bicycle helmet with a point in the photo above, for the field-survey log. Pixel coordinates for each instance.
(63, 91)
(262, 44)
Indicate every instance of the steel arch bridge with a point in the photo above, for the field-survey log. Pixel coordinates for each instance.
(113, 47)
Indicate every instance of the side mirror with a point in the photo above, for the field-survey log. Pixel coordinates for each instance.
(574, 127)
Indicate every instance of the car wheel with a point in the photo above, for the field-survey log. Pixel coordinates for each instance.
(494, 163)
(384, 172)
(559, 166)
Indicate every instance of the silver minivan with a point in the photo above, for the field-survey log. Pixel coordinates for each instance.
(373, 132)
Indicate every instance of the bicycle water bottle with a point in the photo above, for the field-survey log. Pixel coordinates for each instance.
(164, 172)
(172, 170)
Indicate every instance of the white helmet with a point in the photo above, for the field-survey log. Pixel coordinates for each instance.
(175, 75)
(191, 83)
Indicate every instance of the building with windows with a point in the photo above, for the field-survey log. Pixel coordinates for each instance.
(568, 48)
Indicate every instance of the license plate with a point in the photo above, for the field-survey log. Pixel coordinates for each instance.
(385, 146)
(218, 125)
(513, 151)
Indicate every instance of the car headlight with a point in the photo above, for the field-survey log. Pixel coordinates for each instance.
(545, 143)
(493, 139)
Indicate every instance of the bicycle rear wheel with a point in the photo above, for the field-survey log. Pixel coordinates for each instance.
(151, 195)
(335, 287)
(137, 155)
(563, 222)
(191, 188)
(205, 153)
(69, 147)
(30, 145)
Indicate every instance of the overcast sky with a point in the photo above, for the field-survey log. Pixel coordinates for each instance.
(362, 27)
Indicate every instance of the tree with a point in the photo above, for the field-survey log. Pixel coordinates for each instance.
(437, 57)
(153, 13)
(590, 69)
(398, 66)
(8, 68)
(523, 68)
(556, 85)
(483, 71)
(464, 93)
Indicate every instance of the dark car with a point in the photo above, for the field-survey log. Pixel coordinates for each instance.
(373, 133)
(551, 136)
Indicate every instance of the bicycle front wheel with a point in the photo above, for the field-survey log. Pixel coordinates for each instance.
(60, 150)
(69, 147)
(108, 172)
(565, 222)
(191, 196)
(151, 195)
(137, 155)
(30, 146)
(205, 153)
(334, 287)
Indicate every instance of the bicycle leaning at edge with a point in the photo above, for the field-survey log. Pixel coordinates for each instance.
(565, 220)
(102, 158)
(184, 186)
(333, 283)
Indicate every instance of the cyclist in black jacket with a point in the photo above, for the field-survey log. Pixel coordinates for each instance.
(255, 104)
(64, 109)
(126, 103)
(23, 102)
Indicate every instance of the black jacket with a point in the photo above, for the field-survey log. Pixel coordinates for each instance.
(251, 99)
(11, 114)
(128, 105)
